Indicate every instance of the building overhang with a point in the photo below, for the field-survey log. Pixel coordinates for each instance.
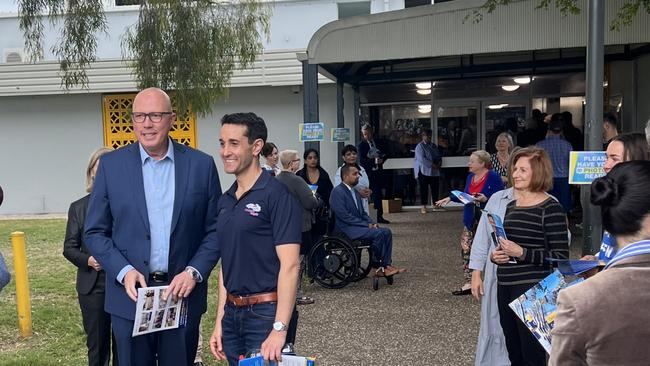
(437, 41)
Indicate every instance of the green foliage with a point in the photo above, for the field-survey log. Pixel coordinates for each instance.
(77, 44)
(624, 17)
(189, 46)
(194, 49)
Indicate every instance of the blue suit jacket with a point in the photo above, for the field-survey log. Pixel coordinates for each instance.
(117, 226)
(353, 221)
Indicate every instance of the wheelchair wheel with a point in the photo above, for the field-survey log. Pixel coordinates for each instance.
(364, 256)
(375, 283)
(333, 262)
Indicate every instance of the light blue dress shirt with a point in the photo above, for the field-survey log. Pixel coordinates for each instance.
(159, 187)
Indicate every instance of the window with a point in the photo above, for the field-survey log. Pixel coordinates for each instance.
(347, 10)
(127, 2)
(397, 127)
(414, 3)
(118, 129)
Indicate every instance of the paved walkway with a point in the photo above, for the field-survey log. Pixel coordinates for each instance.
(414, 322)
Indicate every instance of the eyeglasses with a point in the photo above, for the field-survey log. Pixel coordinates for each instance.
(155, 117)
(295, 160)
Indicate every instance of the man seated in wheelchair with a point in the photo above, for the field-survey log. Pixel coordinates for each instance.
(353, 221)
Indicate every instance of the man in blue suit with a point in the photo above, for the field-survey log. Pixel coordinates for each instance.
(353, 221)
(151, 222)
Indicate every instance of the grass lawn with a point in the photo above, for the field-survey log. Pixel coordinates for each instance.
(58, 337)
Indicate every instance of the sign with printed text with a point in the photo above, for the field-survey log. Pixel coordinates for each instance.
(311, 131)
(340, 134)
(585, 166)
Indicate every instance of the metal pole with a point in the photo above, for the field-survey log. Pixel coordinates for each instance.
(340, 116)
(592, 226)
(310, 98)
(22, 284)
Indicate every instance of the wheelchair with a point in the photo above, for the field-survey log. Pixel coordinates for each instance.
(336, 260)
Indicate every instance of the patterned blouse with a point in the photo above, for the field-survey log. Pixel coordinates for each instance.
(497, 167)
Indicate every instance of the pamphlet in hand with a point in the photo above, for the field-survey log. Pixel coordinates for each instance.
(464, 198)
(607, 247)
(497, 229)
(573, 267)
(287, 360)
(537, 307)
(153, 314)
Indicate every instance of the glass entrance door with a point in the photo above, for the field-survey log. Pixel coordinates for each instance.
(457, 128)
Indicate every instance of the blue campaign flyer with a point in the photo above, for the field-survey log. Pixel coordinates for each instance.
(463, 197)
(311, 131)
(585, 166)
(607, 247)
(537, 307)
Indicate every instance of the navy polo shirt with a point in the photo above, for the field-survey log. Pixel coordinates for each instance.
(249, 230)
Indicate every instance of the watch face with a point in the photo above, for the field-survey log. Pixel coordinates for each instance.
(279, 326)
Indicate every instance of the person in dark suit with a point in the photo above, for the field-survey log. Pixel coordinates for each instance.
(372, 160)
(90, 276)
(353, 221)
(151, 221)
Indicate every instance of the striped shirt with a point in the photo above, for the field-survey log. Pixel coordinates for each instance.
(528, 226)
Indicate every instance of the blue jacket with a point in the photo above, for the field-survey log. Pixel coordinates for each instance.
(353, 221)
(117, 225)
(493, 184)
(5, 277)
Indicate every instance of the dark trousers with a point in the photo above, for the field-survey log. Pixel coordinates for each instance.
(245, 328)
(174, 347)
(523, 348)
(382, 246)
(97, 325)
(375, 178)
(426, 182)
(562, 192)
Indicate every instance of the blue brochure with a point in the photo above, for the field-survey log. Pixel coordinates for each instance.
(607, 247)
(537, 307)
(573, 267)
(287, 360)
(463, 197)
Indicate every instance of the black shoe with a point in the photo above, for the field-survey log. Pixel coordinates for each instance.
(461, 292)
(381, 220)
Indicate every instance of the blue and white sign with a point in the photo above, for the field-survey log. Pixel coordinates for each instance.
(311, 131)
(340, 134)
(585, 166)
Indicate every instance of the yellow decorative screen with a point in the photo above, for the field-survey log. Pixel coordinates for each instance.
(118, 129)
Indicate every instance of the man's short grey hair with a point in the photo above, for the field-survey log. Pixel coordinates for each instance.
(287, 156)
(366, 127)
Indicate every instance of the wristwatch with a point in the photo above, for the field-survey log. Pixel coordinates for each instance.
(196, 276)
(279, 326)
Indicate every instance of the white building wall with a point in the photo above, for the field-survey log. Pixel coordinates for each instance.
(44, 148)
(46, 140)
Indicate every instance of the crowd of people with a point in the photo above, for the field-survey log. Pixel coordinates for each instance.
(155, 215)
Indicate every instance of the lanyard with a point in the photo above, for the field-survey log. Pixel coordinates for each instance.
(632, 250)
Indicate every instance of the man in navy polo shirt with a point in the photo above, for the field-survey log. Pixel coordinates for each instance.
(260, 243)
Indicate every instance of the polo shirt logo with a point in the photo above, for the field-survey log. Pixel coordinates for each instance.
(253, 209)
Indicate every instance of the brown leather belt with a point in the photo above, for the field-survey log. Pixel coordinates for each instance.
(252, 299)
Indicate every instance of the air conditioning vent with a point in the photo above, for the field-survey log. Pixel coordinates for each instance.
(13, 55)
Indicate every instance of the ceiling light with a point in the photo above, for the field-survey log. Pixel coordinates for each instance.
(424, 91)
(509, 88)
(522, 80)
(497, 106)
(426, 85)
